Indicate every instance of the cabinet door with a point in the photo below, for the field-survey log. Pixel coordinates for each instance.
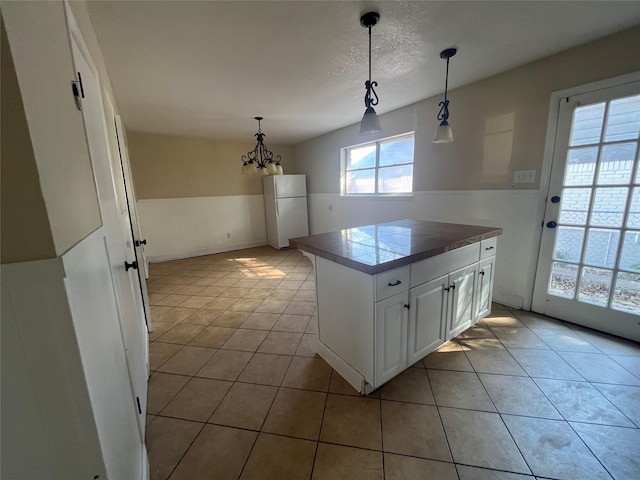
(462, 285)
(484, 289)
(391, 337)
(427, 318)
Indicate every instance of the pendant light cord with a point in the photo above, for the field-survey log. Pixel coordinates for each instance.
(369, 53)
(446, 82)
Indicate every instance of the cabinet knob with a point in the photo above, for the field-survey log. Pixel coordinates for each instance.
(128, 265)
(481, 272)
(490, 248)
(395, 284)
(453, 287)
(446, 289)
(406, 305)
(140, 242)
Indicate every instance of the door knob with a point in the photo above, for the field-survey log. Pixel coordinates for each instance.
(551, 224)
(128, 265)
(555, 199)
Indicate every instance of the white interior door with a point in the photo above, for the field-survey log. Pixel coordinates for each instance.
(118, 241)
(589, 263)
(134, 224)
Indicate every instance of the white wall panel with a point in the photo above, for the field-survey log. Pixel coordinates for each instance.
(48, 426)
(515, 211)
(187, 227)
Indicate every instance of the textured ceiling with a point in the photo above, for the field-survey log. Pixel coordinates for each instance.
(206, 68)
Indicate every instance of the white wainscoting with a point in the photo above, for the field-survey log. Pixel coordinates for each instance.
(187, 227)
(515, 211)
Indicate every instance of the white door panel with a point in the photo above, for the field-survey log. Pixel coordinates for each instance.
(589, 262)
(391, 337)
(292, 219)
(139, 243)
(290, 186)
(427, 319)
(119, 245)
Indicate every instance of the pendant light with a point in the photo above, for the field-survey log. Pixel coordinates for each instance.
(260, 159)
(444, 134)
(370, 124)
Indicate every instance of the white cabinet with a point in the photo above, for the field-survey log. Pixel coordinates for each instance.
(440, 310)
(391, 336)
(462, 284)
(484, 288)
(372, 327)
(427, 318)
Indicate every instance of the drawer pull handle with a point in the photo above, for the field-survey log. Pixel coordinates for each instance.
(395, 284)
(490, 248)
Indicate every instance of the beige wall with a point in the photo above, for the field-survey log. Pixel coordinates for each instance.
(167, 166)
(26, 234)
(499, 123)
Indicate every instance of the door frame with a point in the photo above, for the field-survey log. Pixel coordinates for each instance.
(547, 162)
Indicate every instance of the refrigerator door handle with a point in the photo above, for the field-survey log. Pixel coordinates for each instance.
(277, 213)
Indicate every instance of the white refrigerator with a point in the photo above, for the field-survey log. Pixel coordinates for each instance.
(285, 205)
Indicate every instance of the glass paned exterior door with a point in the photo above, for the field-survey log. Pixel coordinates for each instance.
(589, 265)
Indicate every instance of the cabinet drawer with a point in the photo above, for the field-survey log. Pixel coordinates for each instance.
(445, 263)
(488, 247)
(392, 282)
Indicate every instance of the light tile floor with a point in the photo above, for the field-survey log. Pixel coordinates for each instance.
(238, 392)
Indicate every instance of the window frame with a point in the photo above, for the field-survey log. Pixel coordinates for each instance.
(344, 160)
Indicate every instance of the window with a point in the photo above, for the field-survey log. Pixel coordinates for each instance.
(384, 167)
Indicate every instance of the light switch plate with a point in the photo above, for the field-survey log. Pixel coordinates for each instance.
(524, 176)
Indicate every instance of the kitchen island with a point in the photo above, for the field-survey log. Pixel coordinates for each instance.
(391, 293)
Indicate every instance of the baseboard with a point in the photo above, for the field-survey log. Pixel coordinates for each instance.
(507, 298)
(346, 371)
(208, 251)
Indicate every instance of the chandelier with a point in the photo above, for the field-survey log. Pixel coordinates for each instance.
(259, 161)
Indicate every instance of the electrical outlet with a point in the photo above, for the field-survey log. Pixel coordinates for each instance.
(524, 176)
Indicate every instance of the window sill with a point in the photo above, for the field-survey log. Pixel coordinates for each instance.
(380, 196)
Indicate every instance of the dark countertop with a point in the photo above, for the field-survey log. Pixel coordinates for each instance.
(377, 248)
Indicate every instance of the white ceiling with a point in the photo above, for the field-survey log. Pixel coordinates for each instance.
(206, 68)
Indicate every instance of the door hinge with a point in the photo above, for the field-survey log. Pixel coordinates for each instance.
(77, 93)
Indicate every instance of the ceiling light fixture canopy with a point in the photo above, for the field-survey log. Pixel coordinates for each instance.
(260, 159)
(370, 123)
(444, 134)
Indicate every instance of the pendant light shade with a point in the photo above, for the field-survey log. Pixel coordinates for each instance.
(444, 133)
(370, 124)
(259, 161)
